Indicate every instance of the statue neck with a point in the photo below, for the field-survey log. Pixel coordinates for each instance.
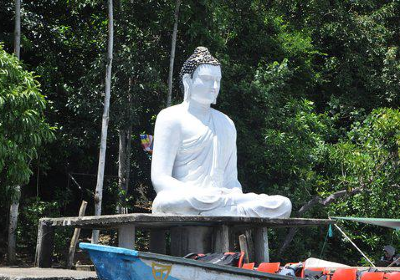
(198, 109)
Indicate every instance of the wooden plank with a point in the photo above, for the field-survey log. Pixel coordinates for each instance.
(222, 240)
(243, 247)
(44, 245)
(157, 241)
(261, 248)
(75, 237)
(126, 236)
(159, 221)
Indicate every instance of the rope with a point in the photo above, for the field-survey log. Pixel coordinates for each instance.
(348, 238)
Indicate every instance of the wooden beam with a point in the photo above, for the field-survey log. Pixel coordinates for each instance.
(75, 237)
(166, 221)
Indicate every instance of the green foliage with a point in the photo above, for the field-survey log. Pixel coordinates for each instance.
(22, 124)
(369, 158)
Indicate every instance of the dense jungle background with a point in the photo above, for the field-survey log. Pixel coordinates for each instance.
(312, 86)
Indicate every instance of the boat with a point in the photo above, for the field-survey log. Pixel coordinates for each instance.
(115, 263)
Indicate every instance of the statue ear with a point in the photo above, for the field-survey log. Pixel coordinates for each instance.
(187, 83)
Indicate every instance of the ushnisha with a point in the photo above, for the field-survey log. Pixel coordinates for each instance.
(194, 164)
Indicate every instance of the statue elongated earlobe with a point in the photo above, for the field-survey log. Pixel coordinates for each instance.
(187, 82)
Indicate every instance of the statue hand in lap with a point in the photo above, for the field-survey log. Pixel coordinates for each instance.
(194, 164)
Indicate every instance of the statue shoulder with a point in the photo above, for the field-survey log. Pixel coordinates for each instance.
(171, 114)
(221, 116)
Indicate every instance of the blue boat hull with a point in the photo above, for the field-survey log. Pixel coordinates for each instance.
(113, 263)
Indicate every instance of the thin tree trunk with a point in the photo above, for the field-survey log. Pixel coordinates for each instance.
(128, 163)
(12, 227)
(124, 135)
(172, 58)
(124, 158)
(13, 222)
(17, 31)
(104, 126)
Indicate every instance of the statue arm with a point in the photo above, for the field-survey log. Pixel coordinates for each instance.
(167, 137)
(231, 174)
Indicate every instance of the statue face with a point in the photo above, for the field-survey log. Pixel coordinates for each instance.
(205, 84)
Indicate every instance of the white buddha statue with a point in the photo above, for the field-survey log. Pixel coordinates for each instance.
(194, 156)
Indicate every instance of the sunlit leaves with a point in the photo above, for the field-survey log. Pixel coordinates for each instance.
(22, 125)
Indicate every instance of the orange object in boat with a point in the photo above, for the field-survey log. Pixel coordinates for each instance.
(249, 266)
(269, 267)
(392, 276)
(372, 276)
(345, 274)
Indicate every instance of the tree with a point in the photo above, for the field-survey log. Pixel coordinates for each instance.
(173, 45)
(105, 119)
(23, 130)
(15, 200)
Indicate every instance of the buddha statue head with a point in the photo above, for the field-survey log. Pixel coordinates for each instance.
(200, 77)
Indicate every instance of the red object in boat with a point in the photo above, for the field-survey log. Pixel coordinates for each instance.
(269, 267)
(372, 276)
(392, 276)
(345, 274)
(249, 266)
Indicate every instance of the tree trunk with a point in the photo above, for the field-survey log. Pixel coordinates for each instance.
(17, 31)
(104, 126)
(13, 222)
(172, 58)
(12, 227)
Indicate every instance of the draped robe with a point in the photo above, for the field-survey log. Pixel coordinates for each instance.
(207, 164)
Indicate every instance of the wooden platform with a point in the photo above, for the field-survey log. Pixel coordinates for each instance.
(149, 221)
(188, 233)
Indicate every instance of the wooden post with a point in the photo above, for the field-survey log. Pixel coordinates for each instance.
(261, 248)
(191, 239)
(75, 237)
(157, 241)
(244, 248)
(250, 244)
(221, 239)
(45, 245)
(178, 241)
(126, 236)
(199, 239)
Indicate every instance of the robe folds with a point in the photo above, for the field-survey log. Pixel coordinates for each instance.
(207, 164)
